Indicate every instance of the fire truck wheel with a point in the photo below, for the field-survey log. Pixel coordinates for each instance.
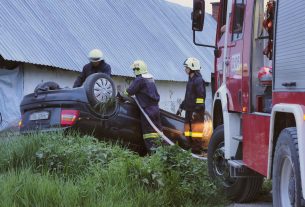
(237, 189)
(286, 180)
(101, 92)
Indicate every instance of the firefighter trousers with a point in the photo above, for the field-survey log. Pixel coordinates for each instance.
(193, 130)
(151, 137)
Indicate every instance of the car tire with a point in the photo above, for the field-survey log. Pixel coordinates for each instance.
(236, 189)
(46, 86)
(286, 179)
(101, 92)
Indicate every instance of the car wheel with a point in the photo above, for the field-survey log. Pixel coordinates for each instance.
(46, 86)
(101, 92)
(286, 180)
(236, 189)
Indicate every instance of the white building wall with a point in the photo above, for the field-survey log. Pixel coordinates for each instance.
(171, 93)
(33, 75)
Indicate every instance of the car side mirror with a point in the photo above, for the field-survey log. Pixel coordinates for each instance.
(198, 15)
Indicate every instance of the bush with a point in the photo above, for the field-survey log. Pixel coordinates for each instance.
(74, 155)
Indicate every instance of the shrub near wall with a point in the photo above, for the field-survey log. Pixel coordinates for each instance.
(53, 170)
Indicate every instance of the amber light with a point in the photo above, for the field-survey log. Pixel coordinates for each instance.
(20, 123)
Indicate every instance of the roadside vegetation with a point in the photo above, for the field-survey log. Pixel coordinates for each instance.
(56, 170)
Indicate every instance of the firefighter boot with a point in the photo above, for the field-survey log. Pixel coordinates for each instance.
(189, 143)
(151, 144)
(197, 145)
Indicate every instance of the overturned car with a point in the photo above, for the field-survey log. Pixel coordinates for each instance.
(96, 109)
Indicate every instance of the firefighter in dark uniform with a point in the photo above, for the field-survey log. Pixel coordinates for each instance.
(194, 105)
(145, 90)
(97, 65)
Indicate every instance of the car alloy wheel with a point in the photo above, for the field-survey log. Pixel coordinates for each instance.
(102, 90)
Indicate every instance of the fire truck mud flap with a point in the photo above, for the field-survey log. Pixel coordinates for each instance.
(238, 189)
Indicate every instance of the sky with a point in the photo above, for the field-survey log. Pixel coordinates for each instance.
(189, 3)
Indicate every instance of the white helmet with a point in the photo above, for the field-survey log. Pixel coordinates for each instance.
(192, 63)
(95, 55)
(139, 67)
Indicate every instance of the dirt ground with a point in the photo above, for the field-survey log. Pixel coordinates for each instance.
(262, 201)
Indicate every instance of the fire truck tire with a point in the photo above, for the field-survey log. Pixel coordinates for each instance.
(237, 189)
(286, 179)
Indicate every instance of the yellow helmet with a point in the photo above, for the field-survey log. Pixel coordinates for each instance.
(95, 55)
(192, 63)
(139, 67)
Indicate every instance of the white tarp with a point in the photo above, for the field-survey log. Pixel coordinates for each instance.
(11, 93)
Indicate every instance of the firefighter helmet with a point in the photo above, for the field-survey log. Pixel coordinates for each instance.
(95, 55)
(192, 63)
(265, 75)
(139, 67)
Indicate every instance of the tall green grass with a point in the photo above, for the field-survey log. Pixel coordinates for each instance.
(57, 170)
(19, 152)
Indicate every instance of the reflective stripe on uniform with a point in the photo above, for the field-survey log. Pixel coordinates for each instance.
(193, 134)
(187, 134)
(199, 100)
(126, 93)
(151, 135)
(197, 134)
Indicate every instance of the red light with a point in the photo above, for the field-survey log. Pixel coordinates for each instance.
(68, 117)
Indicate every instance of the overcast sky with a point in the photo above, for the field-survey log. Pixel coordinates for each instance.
(189, 3)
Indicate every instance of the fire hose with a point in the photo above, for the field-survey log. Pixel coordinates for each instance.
(166, 139)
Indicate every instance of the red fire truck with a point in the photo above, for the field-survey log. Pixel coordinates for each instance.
(259, 106)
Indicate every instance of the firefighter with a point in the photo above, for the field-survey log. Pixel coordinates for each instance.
(97, 65)
(194, 105)
(145, 90)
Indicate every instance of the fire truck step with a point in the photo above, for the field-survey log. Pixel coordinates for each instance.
(239, 169)
(238, 138)
(236, 163)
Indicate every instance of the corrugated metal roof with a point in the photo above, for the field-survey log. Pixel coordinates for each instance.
(61, 33)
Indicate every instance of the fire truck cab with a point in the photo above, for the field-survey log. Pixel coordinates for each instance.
(259, 105)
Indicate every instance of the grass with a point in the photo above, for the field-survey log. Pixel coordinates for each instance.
(265, 194)
(57, 170)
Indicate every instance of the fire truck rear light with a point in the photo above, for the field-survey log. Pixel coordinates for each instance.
(304, 117)
(68, 117)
